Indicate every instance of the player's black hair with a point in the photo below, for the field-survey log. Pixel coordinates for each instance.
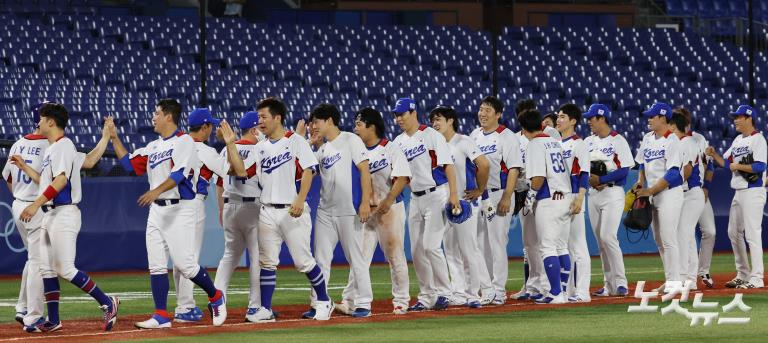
(530, 120)
(679, 120)
(57, 112)
(684, 112)
(571, 110)
(197, 128)
(275, 106)
(325, 111)
(370, 116)
(552, 116)
(523, 105)
(492, 101)
(446, 112)
(172, 107)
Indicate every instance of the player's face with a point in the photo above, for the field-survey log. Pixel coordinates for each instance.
(404, 119)
(564, 122)
(741, 123)
(44, 125)
(487, 116)
(548, 122)
(364, 132)
(321, 125)
(267, 123)
(655, 123)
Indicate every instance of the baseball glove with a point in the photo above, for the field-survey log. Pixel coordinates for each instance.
(750, 177)
(519, 202)
(466, 212)
(598, 168)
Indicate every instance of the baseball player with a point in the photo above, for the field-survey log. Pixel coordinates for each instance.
(430, 160)
(502, 150)
(660, 177)
(550, 196)
(171, 164)
(578, 272)
(746, 215)
(27, 152)
(693, 203)
(606, 196)
(201, 125)
(59, 193)
(550, 120)
(285, 170)
(390, 174)
(238, 197)
(461, 248)
(344, 206)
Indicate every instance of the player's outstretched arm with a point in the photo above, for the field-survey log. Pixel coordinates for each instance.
(94, 156)
(710, 151)
(366, 184)
(59, 182)
(233, 156)
(19, 162)
(120, 149)
(483, 169)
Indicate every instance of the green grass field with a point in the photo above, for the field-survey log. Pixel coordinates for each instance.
(601, 322)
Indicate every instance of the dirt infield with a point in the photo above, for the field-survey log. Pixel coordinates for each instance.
(90, 330)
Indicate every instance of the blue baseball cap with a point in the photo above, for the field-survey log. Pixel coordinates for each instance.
(404, 105)
(249, 120)
(658, 109)
(200, 116)
(36, 110)
(597, 110)
(744, 110)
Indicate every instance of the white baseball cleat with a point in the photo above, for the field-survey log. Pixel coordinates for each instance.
(261, 315)
(400, 310)
(323, 310)
(218, 310)
(455, 301)
(156, 322)
(552, 299)
(707, 280)
(344, 309)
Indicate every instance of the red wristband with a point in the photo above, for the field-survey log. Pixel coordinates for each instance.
(50, 193)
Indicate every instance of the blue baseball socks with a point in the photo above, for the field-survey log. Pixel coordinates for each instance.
(52, 292)
(160, 287)
(267, 285)
(565, 270)
(315, 277)
(552, 268)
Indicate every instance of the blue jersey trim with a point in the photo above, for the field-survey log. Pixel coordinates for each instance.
(357, 191)
(543, 192)
(673, 177)
(126, 163)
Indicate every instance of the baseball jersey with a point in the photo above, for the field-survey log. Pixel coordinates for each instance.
(62, 157)
(658, 155)
(705, 162)
(427, 153)
(244, 187)
(280, 167)
(341, 191)
(615, 149)
(545, 158)
(576, 155)
(211, 162)
(523, 181)
(32, 149)
(691, 153)
(744, 145)
(386, 161)
(172, 157)
(464, 152)
(502, 149)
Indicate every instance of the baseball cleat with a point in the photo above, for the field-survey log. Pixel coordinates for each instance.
(499, 299)
(323, 310)
(309, 314)
(537, 296)
(42, 326)
(602, 292)
(456, 302)
(441, 303)
(344, 309)
(192, 316)
(486, 300)
(260, 315)
(110, 313)
(20, 317)
(522, 295)
(218, 309)
(552, 299)
(577, 299)
(707, 280)
(418, 306)
(474, 304)
(400, 310)
(361, 313)
(734, 283)
(32, 328)
(754, 283)
(155, 322)
(622, 291)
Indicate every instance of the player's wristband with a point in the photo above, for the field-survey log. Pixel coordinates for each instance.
(50, 193)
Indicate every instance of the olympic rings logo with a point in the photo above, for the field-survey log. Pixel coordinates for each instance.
(10, 226)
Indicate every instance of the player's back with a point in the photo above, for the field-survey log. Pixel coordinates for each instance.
(62, 157)
(243, 186)
(31, 148)
(545, 159)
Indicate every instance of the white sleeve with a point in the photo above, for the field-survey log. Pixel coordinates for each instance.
(535, 164)
(442, 151)
(62, 161)
(758, 148)
(674, 155)
(469, 148)
(400, 165)
(215, 162)
(304, 154)
(639, 156)
(183, 155)
(511, 151)
(623, 153)
(358, 149)
(7, 170)
(581, 152)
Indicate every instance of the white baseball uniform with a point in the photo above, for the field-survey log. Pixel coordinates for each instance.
(337, 220)
(544, 158)
(31, 148)
(693, 206)
(746, 215)
(707, 218)
(427, 153)
(607, 205)
(576, 155)
(387, 162)
(240, 218)
(502, 149)
(658, 155)
(469, 274)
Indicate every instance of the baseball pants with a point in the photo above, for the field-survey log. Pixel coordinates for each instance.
(693, 206)
(347, 230)
(277, 226)
(493, 237)
(61, 226)
(581, 265)
(426, 226)
(708, 231)
(745, 222)
(537, 279)
(31, 288)
(241, 228)
(388, 230)
(605, 210)
(553, 229)
(667, 205)
(184, 287)
(469, 275)
(169, 234)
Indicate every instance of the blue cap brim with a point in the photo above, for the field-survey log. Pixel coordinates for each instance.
(215, 121)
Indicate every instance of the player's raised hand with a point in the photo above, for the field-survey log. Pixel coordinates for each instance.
(29, 212)
(301, 128)
(109, 126)
(297, 208)
(710, 151)
(314, 136)
(148, 198)
(227, 134)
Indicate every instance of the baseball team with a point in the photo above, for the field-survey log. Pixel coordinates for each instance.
(464, 193)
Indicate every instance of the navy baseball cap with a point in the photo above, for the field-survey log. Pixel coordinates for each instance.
(404, 105)
(658, 109)
(200, 116)
(597, 110)
(36, 110)
(249, 120)
(744, 110)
